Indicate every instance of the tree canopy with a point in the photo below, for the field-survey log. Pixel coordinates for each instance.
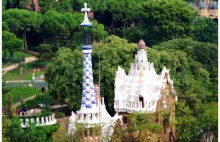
(19, 20)
(10, 43)
(64, 76)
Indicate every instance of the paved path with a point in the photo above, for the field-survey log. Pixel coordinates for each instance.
(37, 110)
(11, 67)
(18, 103)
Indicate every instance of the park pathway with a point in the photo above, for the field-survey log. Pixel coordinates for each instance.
(37, 110)
(13, 66)
(18, 103)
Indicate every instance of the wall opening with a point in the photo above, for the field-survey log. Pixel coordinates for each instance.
(125, 120)
(141, 99)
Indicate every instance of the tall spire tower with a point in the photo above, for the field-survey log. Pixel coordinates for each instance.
(88, 104)
(92, 111)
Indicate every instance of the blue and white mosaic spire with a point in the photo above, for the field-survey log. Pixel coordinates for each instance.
(88, 104)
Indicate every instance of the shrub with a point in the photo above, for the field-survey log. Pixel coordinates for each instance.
(56, 126)
(59, 115)
(14, 60)
(45, 99)
(46, 111)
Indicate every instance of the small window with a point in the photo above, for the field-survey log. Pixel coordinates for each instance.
(125, 120)
(141, 99)
(85, 133)
(157, 118)
(84, 117)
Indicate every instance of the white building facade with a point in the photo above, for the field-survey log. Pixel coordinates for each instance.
(140, 90)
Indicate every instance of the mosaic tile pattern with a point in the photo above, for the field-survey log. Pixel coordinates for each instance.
(88, 94)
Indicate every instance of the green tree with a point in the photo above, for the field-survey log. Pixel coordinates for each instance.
(9, 108)
(64, 76)
(20, 4)
(144, 125)
(5, 125)
(165, 19)
(4, 88)
(72, 24)
(14, 131)
(98, 31)
(34, 133)
(205, 30)
(115, 15)
(67, 26)
(193, 66)
(59, 6)
(46, 5)
(210, 116)
(113, 52)
(4, 26)
(19, 20)
(121, 133)
(54, 25)
(186, 124)
(18, 60)
(4, 2)
(63, 6)
(77, 4)
(46, 52)
(10, 43)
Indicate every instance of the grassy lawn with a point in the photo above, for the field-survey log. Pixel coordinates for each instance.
(28, 70)
(18, 93)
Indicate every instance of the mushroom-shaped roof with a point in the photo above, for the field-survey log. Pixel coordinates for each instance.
(141, 44)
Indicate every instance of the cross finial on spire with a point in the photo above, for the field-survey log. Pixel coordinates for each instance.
(85, 4)
(85, 8)
(86, 20)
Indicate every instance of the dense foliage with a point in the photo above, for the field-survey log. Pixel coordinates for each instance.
(5, 124)
(152, 20)
(44, 99)
(179, 39)
(66, 63)
(22, 21)
(32, 133)
(195, 78)
(10, 43)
